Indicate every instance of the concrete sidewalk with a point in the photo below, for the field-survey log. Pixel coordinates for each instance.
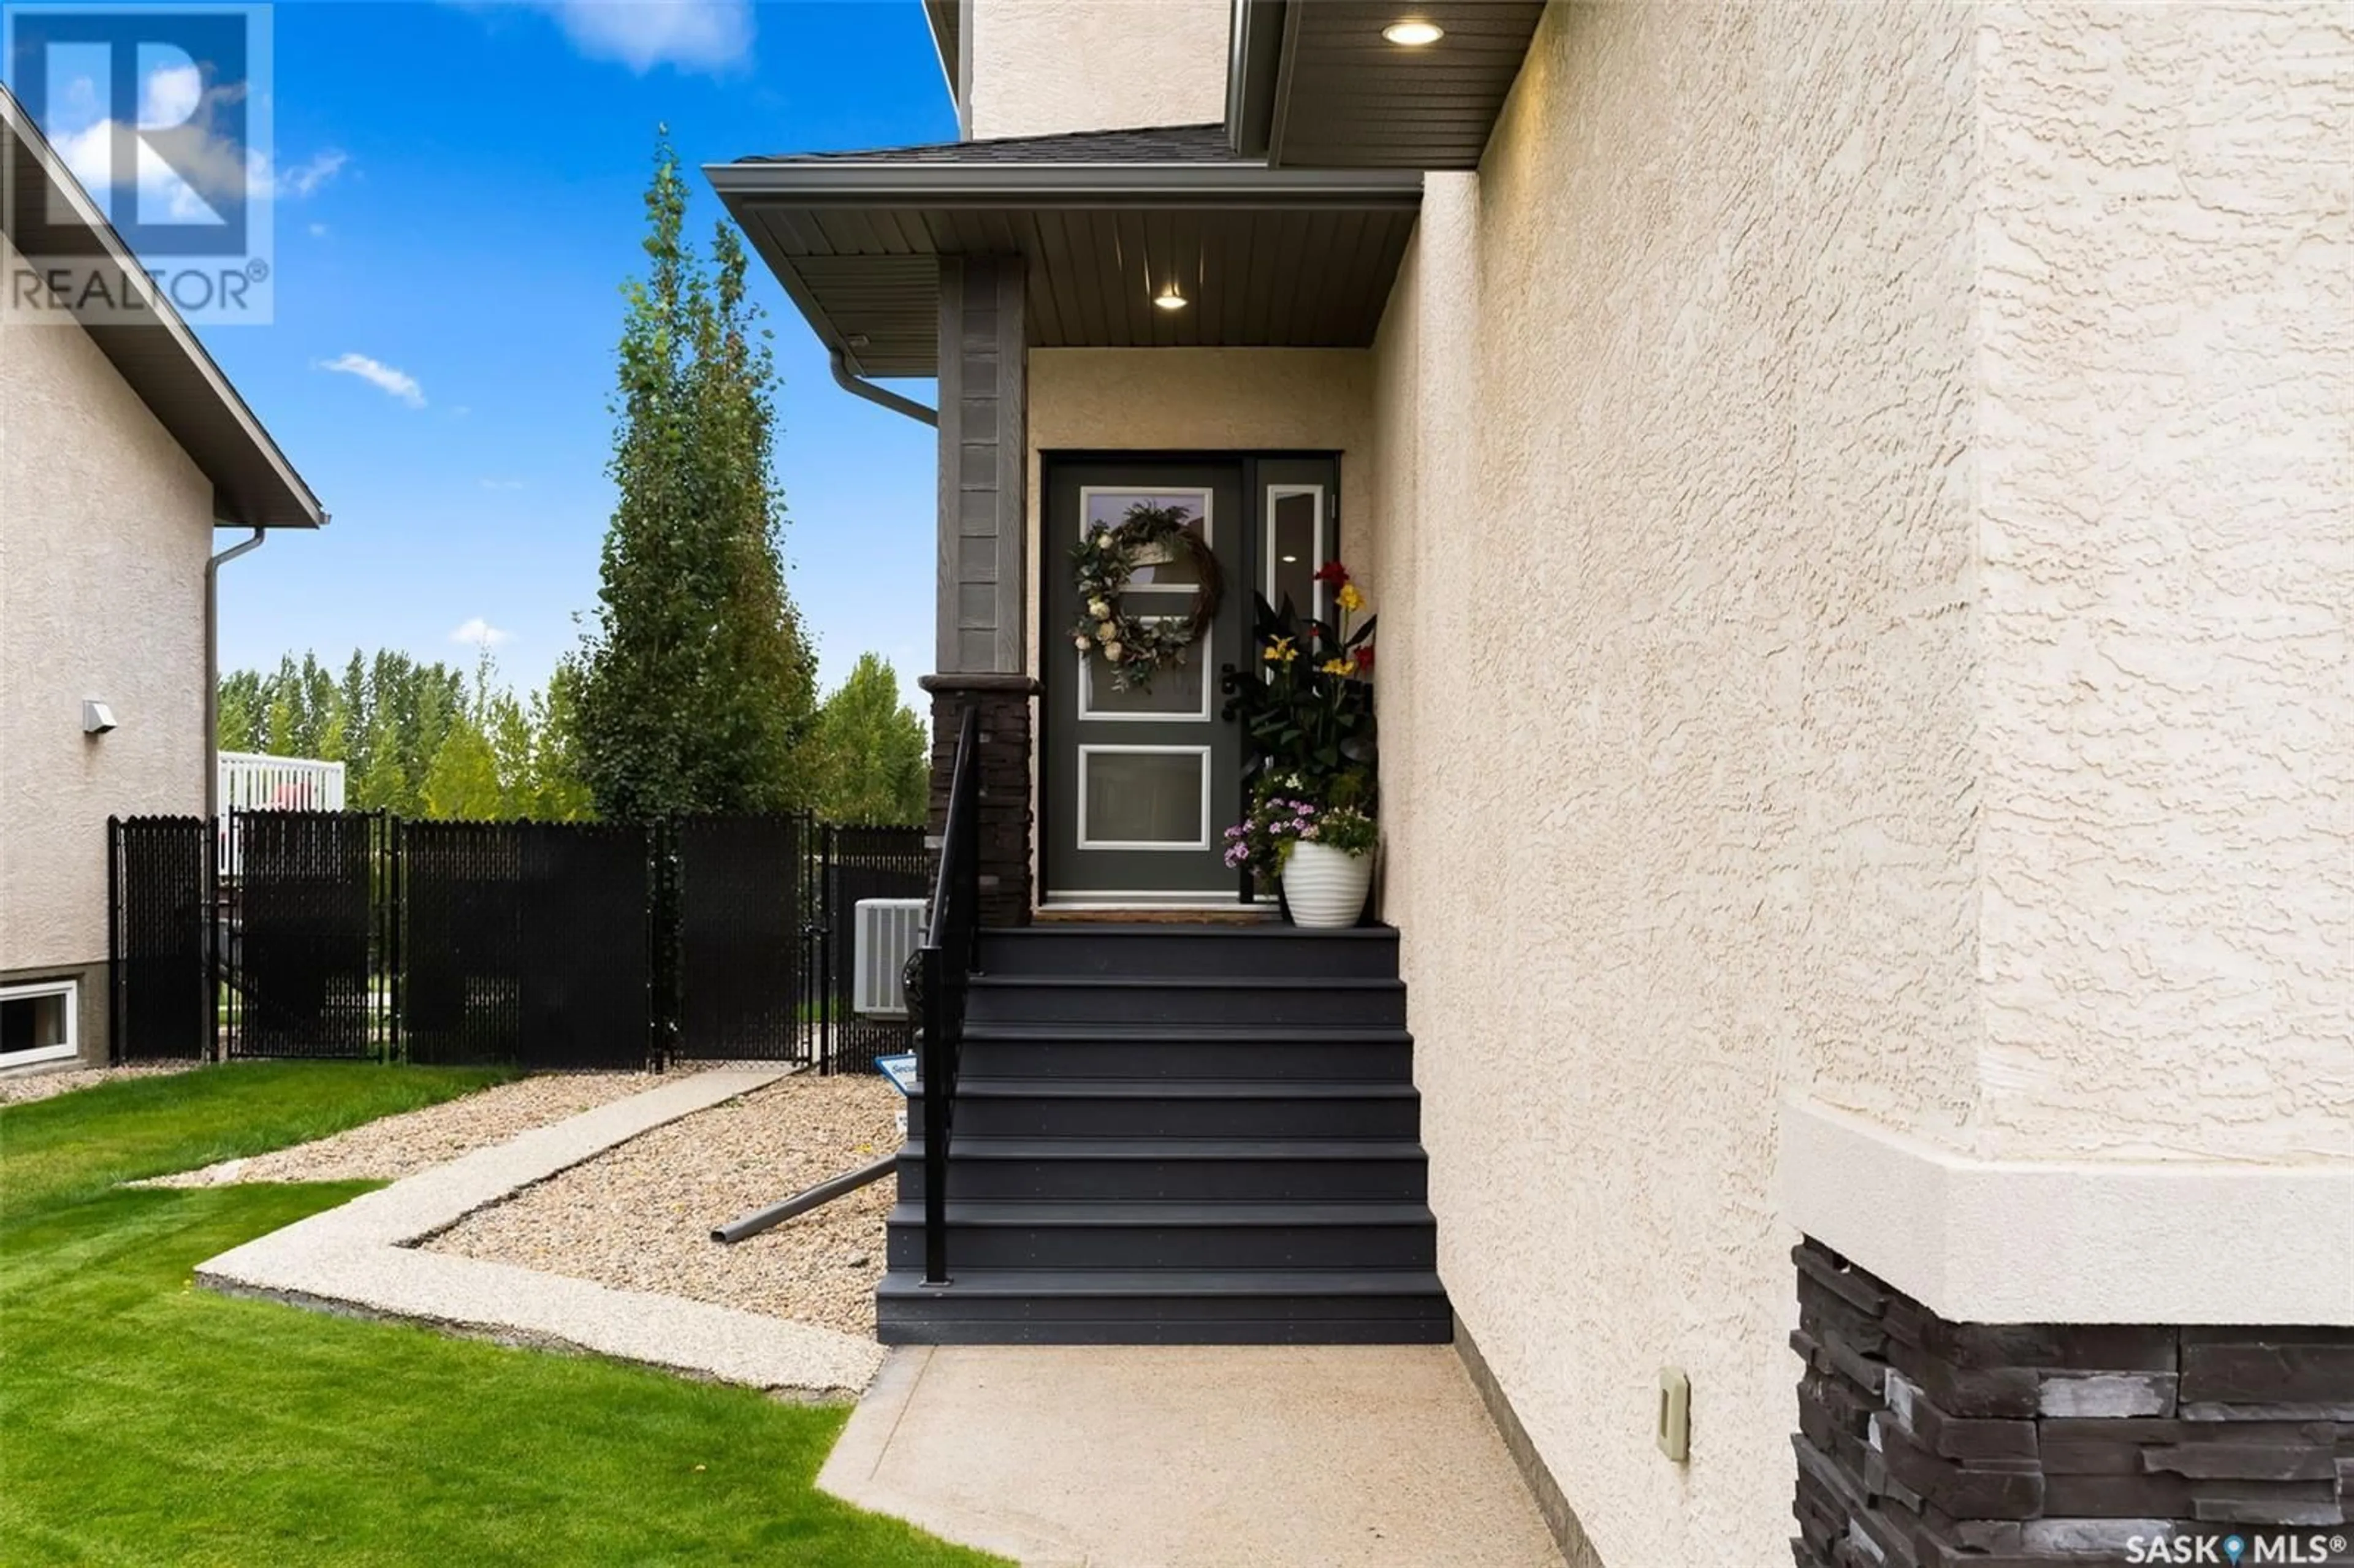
(1171, 1456)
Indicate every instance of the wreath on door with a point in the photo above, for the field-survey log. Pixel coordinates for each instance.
(1105, 558)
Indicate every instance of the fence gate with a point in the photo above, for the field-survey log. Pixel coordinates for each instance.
(309, 966)
(743, 905)
(527, 942)
(161, 917)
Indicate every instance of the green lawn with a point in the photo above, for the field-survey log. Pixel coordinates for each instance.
(145, 1421)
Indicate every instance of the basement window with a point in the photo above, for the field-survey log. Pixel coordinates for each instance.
(38, 1021)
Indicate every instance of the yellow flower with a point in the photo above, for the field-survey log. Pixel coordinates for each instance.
(1281, 651)
(1336, 667)
(1351, 600)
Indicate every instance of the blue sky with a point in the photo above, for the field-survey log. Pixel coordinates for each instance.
(475, 173)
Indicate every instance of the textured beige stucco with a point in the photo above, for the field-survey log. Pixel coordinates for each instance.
(2167, 411)
(1863, 572)
(1678, 702)
(1044, 65)
(104, 527)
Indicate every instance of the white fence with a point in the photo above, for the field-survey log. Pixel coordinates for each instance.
(251, 781)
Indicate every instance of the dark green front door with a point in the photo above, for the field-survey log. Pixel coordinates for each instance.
(1137, 787)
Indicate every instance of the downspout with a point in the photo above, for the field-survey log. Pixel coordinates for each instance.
(212, 666)
(881, 397)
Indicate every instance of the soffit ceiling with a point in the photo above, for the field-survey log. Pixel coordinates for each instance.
(1314, 84)
(1265, 258)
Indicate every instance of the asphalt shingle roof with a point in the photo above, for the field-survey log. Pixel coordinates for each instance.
(1153, 145)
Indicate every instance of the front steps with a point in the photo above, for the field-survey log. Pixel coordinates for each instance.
(1177, 1133)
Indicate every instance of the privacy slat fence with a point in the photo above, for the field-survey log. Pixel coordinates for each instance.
(358, 935)
(159, 930)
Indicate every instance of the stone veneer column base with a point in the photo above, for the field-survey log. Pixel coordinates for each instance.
(1005, 810)
(1929, 1444)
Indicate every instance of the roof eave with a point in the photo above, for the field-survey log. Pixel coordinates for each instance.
(851, 182)
(293, 505)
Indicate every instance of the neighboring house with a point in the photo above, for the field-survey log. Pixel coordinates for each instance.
(1859, 501)
(123, 448)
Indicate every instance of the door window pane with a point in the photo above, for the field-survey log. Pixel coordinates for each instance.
(1146, 798)
(1174, 571)
(1178, 691)
(1295, 548)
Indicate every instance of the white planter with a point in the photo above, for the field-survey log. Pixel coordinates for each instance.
(1325, 887)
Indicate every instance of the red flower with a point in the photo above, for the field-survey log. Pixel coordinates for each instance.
(1332, 572)
(1365, 659)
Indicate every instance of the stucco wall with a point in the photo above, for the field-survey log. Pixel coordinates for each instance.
(1043, 66)
(104, 528)
(1678, 702)
(2167, 412)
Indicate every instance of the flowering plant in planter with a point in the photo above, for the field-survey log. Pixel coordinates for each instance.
(1306, 702)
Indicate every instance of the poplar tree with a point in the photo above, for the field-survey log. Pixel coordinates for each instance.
(693, 684)
(873, 753)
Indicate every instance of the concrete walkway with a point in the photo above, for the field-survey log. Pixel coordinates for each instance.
(1168, 1456)
(359, 1259)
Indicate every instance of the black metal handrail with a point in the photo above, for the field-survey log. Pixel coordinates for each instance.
(951, 944)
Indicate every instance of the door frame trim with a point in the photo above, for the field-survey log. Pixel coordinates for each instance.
(1043, 774)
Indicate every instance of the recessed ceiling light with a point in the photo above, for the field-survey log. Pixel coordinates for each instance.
(1413, 33)
(1290, 560)
(1169, 298)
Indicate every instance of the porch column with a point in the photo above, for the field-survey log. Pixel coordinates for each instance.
(982, 643)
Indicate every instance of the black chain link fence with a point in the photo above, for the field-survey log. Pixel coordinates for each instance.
(358, 935)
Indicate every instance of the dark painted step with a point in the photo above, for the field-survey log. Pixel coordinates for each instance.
(1180, 1108)
(1268, 1002)
(1363, 952)
(1137, 1235)
(1199, 1169)
(1187, 1051)
(1164, 1307)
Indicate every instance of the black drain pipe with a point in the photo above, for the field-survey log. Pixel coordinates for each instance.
(826, 1191)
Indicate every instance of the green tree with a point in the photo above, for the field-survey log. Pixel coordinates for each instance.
(694, 680)
(870, 750)
(240, 713)
(462, 782)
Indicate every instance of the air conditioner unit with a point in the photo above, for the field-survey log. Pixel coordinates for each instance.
(888, 932)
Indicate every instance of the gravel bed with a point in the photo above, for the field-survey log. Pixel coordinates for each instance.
(21, 1089)
(640, 1216)
(397, 1146)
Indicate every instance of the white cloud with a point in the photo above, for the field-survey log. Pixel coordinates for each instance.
(398, 383)
(692, 35)
(305, 177)
(481, 633)
(206, 171)
(318, 231)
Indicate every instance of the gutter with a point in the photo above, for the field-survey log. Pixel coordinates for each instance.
(880, 395)
(212, 665)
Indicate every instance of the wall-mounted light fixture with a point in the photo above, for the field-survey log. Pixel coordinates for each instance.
(1170, 298)
(1413, 33)
(97, 718)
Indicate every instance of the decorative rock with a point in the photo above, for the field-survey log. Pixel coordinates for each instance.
(2268, 1372)
(2242, 1508)
(2087, 1537)
(2035, 1445)
(2107, 1395)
